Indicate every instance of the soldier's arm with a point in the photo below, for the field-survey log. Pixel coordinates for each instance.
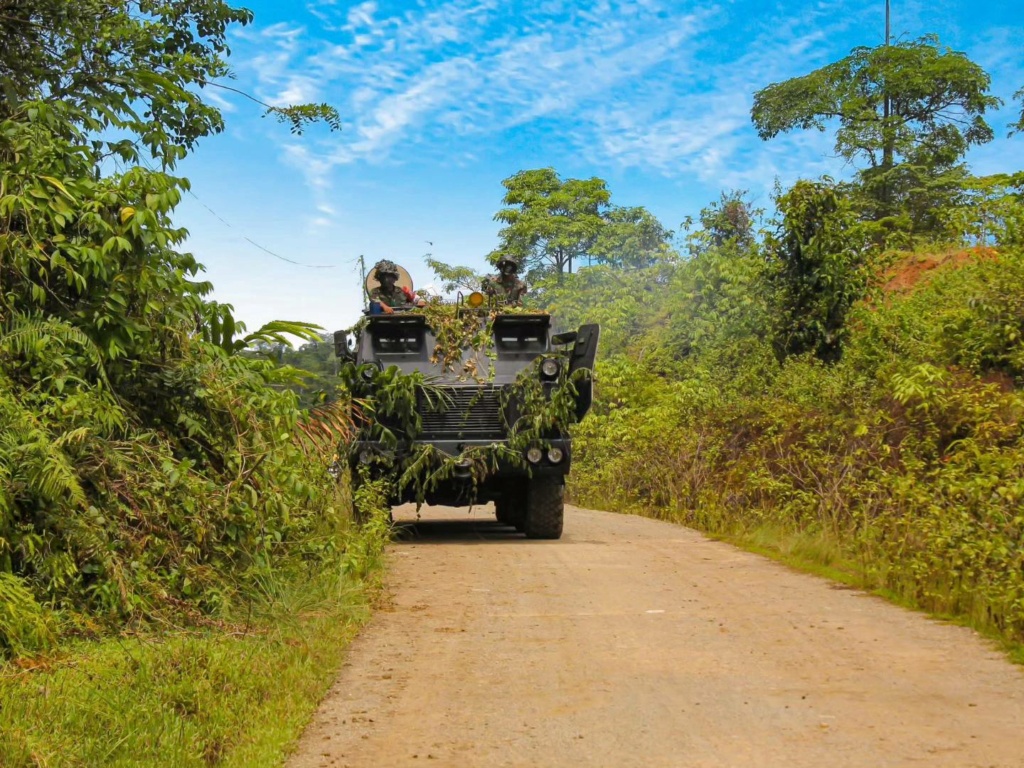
(375, 295)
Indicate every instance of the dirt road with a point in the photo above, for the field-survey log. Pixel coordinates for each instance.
(632, 642)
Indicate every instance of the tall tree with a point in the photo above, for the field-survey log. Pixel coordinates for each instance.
(908, 112)
(631, 237)
(550, 223)
(133, 69)
(816, 268)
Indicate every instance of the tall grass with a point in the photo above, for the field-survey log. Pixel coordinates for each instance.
(237, 693)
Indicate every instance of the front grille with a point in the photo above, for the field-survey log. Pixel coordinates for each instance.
(462, 413)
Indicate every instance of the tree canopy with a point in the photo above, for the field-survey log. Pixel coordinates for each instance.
(146, 466)
(726, 221)
(134, 69)
(630, 237)
(549, 222)
(908, 112)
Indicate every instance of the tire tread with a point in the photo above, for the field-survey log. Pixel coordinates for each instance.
(545, 509)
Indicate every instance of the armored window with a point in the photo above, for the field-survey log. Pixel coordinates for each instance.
(399, 334)
(521, 333)
(398, 341)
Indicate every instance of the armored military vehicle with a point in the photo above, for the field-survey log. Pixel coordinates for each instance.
(473, 403)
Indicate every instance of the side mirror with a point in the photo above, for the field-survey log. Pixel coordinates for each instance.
(344, 345)
(560, 339)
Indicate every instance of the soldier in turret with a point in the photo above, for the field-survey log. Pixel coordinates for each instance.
(388, 295)
(506, 285)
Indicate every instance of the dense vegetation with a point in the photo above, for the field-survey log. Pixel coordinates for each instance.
(789, 378)
(844, 379)
(904, 456)
(147, 469)
(175, 561)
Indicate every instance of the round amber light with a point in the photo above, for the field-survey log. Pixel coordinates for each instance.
(475, 299)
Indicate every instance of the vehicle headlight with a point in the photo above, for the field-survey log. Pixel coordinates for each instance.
(534, 455)
(549, 368)
(555, 455)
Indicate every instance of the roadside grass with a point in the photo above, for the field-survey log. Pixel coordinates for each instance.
(238, 694)
(822, 554)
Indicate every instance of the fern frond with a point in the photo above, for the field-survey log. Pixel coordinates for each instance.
(26, 335)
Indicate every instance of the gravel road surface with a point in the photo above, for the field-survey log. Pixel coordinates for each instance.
(633, 642)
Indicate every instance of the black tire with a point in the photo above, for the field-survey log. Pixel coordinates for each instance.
(545, 508)
(510, 509)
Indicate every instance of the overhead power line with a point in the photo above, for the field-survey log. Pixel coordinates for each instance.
(254, 243)
(249, 240)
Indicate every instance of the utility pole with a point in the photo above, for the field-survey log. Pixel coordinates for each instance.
(887, 149)
(362, 272)
(885, 94)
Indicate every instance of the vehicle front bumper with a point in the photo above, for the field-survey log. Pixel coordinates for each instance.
(505, 465)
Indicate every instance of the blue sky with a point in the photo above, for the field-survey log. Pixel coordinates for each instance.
(440, 101)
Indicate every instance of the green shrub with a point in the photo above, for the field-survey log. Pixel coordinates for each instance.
(907, 455)
(146, 470)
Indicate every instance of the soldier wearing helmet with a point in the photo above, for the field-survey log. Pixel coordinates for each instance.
(506, 285)
(388, 295)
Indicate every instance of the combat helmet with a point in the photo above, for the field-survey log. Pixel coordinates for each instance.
(386, 267)
(507, 258)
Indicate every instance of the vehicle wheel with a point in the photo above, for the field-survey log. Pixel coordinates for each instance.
(545, 508)
(510, 509)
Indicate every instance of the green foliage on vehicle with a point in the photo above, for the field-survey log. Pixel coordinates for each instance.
(389, 406)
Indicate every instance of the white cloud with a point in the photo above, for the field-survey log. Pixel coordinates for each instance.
(296, 89)
(218, 100)
(636, 83)
(457, 68)
(361, 15)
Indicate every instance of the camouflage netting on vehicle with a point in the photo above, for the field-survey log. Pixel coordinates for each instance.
(382, 395)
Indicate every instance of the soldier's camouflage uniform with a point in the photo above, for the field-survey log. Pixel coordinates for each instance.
(395, 298)
(505, 289)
